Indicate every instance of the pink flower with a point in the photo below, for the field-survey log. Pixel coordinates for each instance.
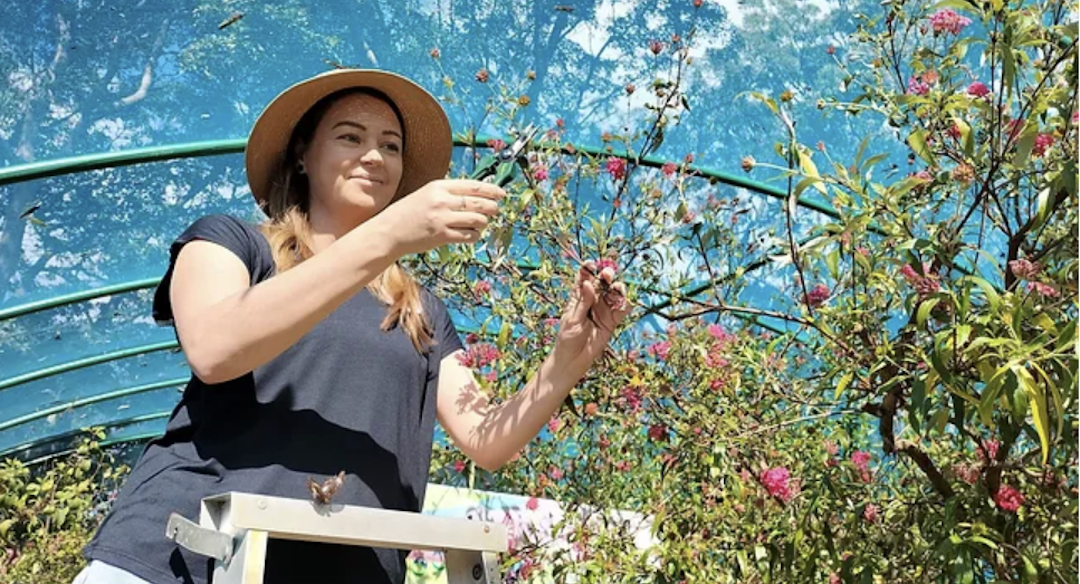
(978, 89)
(606, 263)
(717, 332)
(658, 433)
(861, 460)
(989, 448)
(924, 285)
(1015, 127)
(1024, 269)
(915, 86)
(551, 322)
(948, 21)
(616, 167)
(479, 355)
(631, 398)
(862, 251)
(1008, 499)
(555, 473)
(1043, 289)
(953, 132)
(777, 482)
(924, 176)
(870, 513)
(669, 168)
(532, 504)
(832, 448)
(553, 425)
(834, 578)
(540, 173)
(496, 144)
(481, 288)
(1042, 142)
(818, 295)
(660, 349)
(622, 466)
(656, 46)
(459, 466)
(482, 76)
(967, 473)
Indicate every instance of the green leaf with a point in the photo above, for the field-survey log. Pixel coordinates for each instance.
(1008, 61)
(924, 310)
(832, 260)
(918, 405)
(1043, 210)
(1055, 395)
(806, 164)
(917, 141)
(768, 101)
(940, 418)
(803, 184)
(845, 380)
(1024, 145)
(1038, 413)
(967, 137)
(990, 395)
(992, 297)
(1066, 338)
(954, 4)
(874, 160)
(984, 541)
(1031, 573)
(862, 149)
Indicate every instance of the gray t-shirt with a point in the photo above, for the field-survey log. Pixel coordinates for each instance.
(347, 396)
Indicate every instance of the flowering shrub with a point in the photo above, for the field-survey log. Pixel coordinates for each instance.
(911, 414)
(49, 512)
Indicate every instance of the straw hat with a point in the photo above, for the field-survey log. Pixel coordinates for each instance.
(428, 139)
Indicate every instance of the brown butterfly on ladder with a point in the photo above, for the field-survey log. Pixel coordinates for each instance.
(323, 493)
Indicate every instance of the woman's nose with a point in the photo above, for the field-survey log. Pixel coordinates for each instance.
(371, 156)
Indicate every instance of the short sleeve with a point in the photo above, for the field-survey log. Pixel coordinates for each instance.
(446, 336)
(237, 236)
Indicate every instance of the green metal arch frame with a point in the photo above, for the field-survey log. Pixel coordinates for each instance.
(70, 165)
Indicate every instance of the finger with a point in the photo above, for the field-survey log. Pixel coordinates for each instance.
(616, 296)
(474, 204)
(584, 299)
(473, 188)
(463, 235)
(608, 275)
(588, 269)
(468, 220)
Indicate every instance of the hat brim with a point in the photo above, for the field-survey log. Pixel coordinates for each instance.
(428, 138)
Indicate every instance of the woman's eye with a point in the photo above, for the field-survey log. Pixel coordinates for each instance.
(350, 137)
(391, 146)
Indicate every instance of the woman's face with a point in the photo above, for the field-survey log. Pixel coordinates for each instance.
(354, 160)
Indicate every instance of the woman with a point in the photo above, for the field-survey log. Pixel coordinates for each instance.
(312, 352)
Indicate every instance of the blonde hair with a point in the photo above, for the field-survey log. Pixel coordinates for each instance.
(288, 230)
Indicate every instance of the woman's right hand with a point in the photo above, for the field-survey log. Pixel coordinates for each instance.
(439, 213)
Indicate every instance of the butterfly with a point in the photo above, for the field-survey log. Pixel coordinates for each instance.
(323, 493)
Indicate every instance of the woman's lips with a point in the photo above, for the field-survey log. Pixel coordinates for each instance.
(366, 179)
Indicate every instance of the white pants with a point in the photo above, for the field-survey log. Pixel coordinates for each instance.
(99, 572)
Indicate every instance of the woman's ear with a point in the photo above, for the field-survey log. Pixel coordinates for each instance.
(298, 153)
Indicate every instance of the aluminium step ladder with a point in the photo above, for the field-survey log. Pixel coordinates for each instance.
(234, 529)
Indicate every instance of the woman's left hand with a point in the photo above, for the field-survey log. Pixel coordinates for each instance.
(597, 306)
